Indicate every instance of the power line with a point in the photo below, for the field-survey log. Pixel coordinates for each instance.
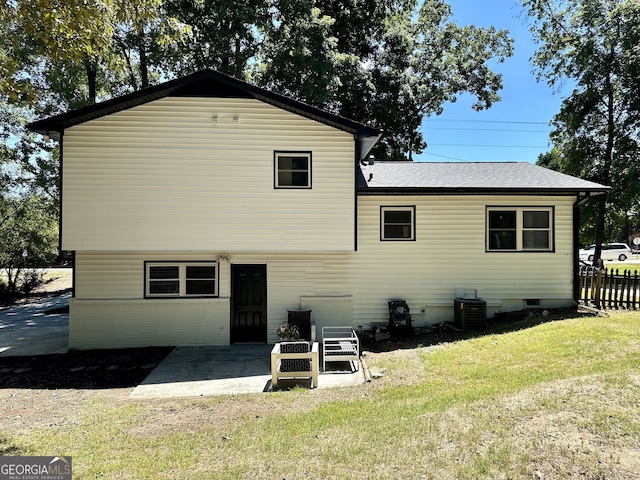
(488, 129)
(484, 121)
(444, 156)
(480, 145)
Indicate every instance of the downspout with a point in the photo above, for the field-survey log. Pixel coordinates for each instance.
(60, 194)
(580, 199)
(60, 251)
(355, 192)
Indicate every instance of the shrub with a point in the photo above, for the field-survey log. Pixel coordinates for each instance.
(31, 279)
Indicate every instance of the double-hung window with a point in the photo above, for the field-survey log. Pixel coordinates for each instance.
(397, 223)
(520, 229)
(292, 169)
(181, 279)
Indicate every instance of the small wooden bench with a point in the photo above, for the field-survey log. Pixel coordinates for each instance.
(340, 344)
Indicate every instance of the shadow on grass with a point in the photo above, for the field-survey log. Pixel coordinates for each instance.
(8, 449)
(82, 369)
(20, 298)
(443, 333)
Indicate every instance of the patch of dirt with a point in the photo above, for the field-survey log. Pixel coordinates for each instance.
(81, 369)
(50, 390)
(445, 333)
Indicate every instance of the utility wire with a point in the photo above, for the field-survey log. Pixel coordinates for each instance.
(484, 121)
(444, 156)
(487, 129)
(427, 126)
(480, 145)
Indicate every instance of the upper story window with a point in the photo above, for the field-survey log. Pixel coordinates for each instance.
(292, 169)
(176, 279)
(520, 229)
(397, 223)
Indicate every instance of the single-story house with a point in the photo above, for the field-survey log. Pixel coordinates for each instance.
(201, 210)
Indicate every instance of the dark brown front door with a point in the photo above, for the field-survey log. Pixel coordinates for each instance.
(249, 303)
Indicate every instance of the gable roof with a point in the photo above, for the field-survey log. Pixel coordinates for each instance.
(468, 177)
(205, 83)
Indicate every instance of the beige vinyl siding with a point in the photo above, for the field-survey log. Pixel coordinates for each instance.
(135, 323)
(181, 173)
(449, 254)
(341, 288)
(110, 310)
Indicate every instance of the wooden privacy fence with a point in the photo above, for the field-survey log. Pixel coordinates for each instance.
(609, 289)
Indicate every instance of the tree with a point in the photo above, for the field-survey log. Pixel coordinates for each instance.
(593, 43)
(94, 35)
(299, 57)
(28, 237)
(29, 200)
(551, 160)
(431, 61)
(224, 34)
(403, 65)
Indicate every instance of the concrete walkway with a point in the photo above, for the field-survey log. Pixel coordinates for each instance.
(27, 330)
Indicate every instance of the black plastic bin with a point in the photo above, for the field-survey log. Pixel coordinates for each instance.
(302, 320)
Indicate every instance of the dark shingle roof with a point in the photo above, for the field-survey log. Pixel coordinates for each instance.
(205, 83)
(468, 177)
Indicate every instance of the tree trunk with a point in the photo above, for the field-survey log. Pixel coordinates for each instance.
(238, 73)
(144, 67)
(606, 167)
(91, 68)
(132, 77)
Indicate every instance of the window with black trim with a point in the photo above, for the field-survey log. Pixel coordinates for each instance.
(520, 229)
(397, 223)
(181, 279)
(292, 169)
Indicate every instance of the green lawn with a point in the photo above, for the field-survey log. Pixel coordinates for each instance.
(559, 400)
(633, 267)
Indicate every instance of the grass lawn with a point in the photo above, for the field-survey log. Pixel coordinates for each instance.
(54, 278)
(559, 400)
(633, 267)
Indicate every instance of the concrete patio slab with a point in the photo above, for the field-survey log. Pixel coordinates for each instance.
(235, 369)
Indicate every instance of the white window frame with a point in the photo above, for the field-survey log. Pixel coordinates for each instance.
(411, 209)
(520, 229)
(276, 168)
(182, 279)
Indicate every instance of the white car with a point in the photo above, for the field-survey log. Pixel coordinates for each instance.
(611, 251)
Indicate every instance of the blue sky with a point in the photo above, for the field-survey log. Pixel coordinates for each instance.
(514, 129)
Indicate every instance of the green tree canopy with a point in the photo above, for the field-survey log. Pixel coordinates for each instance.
(224, 35)
(100, 38)
(594, 44)
(406, 65)
(28, 237)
